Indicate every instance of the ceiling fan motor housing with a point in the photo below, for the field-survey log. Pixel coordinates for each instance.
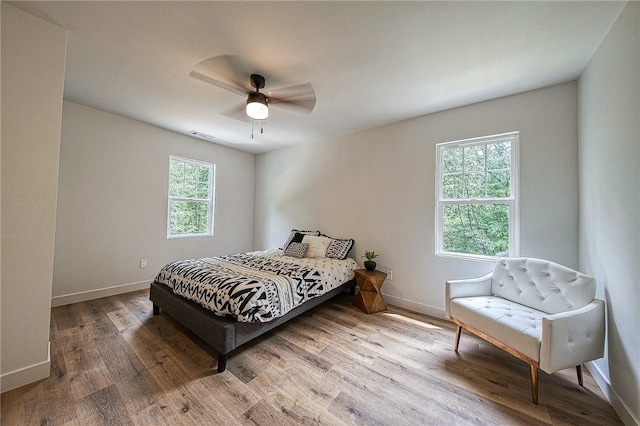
(257, 81)
(257, 97)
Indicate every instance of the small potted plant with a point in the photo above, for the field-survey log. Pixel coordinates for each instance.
(369, 264)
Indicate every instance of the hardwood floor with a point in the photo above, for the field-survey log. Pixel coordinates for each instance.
(113, 362)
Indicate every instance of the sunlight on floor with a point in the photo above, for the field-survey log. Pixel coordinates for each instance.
(411, 321)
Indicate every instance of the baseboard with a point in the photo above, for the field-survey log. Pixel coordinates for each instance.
(414, 306)
(621, 408)
(24, 376)
(83, 296)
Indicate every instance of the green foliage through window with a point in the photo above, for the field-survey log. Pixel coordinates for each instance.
(187, 217)
(480, 229)
(476, 202)
(190, 197)
(477, 171)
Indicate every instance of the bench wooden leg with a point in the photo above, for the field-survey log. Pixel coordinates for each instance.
(458, 333)
(533, 364)
(156, 309)
(579, 371)
(534, 383)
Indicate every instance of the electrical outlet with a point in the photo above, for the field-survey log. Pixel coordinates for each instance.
(143, 263)
(389, 274)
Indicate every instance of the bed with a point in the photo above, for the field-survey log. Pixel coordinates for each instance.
(229, 300)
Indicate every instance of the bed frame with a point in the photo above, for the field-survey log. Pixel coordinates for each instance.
(221, 333)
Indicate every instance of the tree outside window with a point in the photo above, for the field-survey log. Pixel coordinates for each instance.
(476, 197)
(191, 190)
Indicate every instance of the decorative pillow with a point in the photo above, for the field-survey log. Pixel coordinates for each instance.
(317, 245)
(339, 249)
(297, 250)
(297, 238)
(293, 234)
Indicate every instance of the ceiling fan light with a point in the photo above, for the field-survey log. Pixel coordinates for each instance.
(257, 106)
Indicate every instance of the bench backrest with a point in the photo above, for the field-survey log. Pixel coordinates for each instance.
(542, 285)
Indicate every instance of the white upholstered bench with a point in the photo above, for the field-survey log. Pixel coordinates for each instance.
(543, 313)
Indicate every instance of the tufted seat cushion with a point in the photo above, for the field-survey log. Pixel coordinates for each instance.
(514, 324)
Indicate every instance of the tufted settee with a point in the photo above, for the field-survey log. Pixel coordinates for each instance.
(543, 313)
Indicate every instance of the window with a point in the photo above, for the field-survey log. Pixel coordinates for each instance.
(191, 194)
(477, 203)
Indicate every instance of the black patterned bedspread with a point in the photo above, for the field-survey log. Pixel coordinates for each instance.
(251, 287)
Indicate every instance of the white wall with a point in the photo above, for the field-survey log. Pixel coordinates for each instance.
(609, 107)
(33, 54)
(112, 203)
(378, 186)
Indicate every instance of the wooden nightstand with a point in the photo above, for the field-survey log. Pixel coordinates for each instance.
(369, 298)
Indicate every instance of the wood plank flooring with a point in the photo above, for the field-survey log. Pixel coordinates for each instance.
(113, 362)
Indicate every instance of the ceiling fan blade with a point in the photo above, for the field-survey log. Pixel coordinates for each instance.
(221, 84)
(298, 91)
(229, 72)
(301, 98)
(237, 113)
(304, 106)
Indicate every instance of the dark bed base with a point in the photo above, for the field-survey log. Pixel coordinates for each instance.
(224, 334)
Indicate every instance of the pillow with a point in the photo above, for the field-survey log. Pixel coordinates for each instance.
(339, 249)
(293, 234)
(317, 245)
(297, 250)
(297, 238)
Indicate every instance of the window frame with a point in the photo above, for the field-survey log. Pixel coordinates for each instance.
(209, 201)
(512, 200)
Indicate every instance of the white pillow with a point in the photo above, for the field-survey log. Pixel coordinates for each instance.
(317, 245)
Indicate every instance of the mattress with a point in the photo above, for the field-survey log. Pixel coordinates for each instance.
(256, 286)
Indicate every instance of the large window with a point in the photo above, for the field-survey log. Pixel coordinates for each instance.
(191, 195)
(477, 203)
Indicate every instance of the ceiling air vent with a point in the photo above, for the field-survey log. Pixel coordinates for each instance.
(201, 135)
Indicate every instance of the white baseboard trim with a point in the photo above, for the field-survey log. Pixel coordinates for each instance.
(83, 296)
(621, 408)
(414, 306)
(24, 376)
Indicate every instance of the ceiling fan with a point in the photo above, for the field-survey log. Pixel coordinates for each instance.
(230, 73)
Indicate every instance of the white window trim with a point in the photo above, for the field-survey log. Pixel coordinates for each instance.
(210, 200)
(513, 201)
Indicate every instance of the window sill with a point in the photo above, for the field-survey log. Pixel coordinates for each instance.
(180, 237)
(471, 257)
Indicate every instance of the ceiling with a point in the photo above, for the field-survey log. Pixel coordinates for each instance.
(370, 63)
